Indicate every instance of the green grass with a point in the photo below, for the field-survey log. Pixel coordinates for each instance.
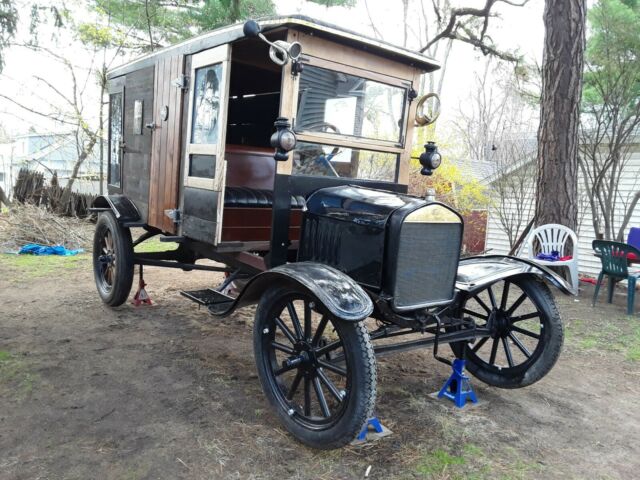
(155, 245)
(611, 334)
(34, 266)
(438, 462)
(472, 462)
(15, 378)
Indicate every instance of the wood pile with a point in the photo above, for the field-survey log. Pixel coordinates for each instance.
(28, 223)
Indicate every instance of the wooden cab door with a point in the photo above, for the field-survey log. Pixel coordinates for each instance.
(165, 150)
(203, 160)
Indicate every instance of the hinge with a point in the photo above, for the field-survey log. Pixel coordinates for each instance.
(182, 82)
(174, 215)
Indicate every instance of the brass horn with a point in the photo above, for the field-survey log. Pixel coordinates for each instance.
(422, 118)
(280, 52)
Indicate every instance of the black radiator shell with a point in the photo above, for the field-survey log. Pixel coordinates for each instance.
(357, 230)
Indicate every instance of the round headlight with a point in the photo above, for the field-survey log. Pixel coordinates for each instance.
(287, 140)
(436, 160)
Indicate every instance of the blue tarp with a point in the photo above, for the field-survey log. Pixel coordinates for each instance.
(36, 249)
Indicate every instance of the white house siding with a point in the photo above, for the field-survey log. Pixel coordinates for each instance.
(498, 242)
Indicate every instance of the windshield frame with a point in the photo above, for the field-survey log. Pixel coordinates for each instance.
(354, 141)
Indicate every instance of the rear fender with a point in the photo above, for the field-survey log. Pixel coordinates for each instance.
(338, 292)
(122, 207)
(475, 273)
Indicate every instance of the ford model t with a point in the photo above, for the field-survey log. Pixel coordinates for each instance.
(282, 152)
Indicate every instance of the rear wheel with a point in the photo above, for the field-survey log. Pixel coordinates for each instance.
(112, 260)
(317, 372)
(526, 333)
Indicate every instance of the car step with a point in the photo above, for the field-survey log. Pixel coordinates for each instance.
(208, 297)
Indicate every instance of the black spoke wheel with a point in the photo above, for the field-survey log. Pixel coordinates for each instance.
(526, 333)
(112, 260)
(316, 371)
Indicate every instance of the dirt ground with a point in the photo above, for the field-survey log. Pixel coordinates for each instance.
(169, 392)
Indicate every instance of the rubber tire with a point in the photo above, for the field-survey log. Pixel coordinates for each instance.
(540, 294)
(362, 397)
(123, 246)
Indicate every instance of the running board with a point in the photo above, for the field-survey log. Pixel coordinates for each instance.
(208, 297)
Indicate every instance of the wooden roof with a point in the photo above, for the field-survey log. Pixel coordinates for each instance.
(234, 32)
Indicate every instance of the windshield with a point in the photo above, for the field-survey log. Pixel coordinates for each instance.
(333, 161)
(335, 102)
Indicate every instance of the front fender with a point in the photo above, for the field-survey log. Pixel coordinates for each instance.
(475, 273)
(338, 292)
(122, 207)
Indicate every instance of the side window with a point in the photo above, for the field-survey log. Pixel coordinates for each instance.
(206, 105)
(116, 141)
(204, 154)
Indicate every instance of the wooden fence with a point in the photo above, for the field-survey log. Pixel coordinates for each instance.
(31, 188)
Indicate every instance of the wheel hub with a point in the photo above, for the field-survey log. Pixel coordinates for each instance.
(304, 357)
(500, 323)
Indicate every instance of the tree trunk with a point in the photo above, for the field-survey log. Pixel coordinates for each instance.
(3, 198)
(562, 64)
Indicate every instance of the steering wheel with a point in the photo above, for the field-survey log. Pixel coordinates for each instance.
(324, 159)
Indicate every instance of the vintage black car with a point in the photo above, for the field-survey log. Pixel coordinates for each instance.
(321, 233)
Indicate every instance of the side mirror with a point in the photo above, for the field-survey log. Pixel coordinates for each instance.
(251, 28)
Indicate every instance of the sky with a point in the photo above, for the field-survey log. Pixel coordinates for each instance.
(518, 28)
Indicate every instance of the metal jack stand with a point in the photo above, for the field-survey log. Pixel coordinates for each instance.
(458, 387)
(372, 430)
(141, 297)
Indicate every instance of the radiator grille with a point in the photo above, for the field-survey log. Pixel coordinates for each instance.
(427, 262)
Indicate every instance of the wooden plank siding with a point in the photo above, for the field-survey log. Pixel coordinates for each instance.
(165, 157)
(137, 153)
(496, 238)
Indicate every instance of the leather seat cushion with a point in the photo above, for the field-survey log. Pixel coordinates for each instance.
(253, 198)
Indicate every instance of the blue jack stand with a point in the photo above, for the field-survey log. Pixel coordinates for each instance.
(372, 422)
(458, 388)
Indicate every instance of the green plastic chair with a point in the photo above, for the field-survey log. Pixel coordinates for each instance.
(613, 256)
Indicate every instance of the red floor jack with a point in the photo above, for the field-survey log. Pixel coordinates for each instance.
(141, 297)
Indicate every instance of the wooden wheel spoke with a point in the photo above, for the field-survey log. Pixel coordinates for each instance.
(285, 330)
(321, 398)
(492, 297)
(525, 317)
(481, 303)
(294, 385)
(329, 347)
(507, 352)
(283, 348)
(516, 304)
(475, 314)
(494, 350)
(307, 320)
(321, 326)
(329, 384)
(520, 345)
(284, 369)
(333, 367)
(505, 296)
(525, 332)
(307, 396)
(479, 345)
(295, 320)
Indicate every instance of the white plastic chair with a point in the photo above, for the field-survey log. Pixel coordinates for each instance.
(553, 237)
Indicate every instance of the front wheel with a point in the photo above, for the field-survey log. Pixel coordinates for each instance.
(318, 372)
(526, 333)
(112, 260)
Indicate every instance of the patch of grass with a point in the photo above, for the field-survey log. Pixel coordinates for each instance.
(611, 334)
(471, 462)
(155, 245)
(438, 462)
(15, 377)
(34, 266)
